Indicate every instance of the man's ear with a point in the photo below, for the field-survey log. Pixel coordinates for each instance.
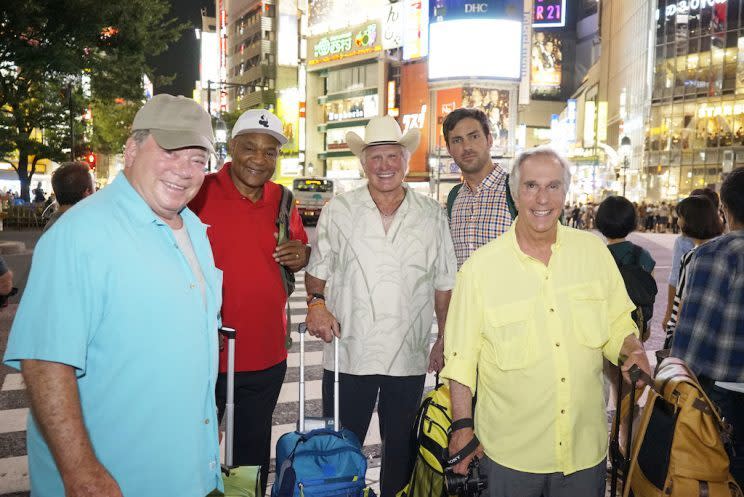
(130, 152)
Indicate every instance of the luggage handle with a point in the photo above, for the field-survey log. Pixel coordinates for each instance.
(229, 333)
(302, 329)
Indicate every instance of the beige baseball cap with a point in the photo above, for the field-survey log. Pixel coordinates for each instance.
(175, 122)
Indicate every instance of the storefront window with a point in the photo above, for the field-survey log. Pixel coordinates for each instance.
(336, 138)
(352, 108)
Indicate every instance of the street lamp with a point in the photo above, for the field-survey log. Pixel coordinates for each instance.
(626, 150)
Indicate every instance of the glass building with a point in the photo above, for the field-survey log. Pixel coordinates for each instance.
(696, 122)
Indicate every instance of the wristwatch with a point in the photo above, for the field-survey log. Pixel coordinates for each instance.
(315, 296)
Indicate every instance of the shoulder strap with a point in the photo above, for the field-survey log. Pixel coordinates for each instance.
(451, 199)
(510, 200)
(282, 224)
(637, 254)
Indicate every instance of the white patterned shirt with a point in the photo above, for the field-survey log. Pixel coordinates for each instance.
(380, 287)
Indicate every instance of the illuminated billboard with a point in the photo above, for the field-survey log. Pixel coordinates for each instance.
(356, 43)
(546, 60)
(415, 29)
(456, 49)
(549, 13)
(451, 10)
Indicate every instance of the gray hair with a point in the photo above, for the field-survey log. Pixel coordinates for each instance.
(516, 172)
(140, 135)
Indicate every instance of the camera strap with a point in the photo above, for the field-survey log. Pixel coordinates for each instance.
(461, 423)
(464, 452)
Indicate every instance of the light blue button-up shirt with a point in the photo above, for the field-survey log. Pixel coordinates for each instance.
(111, 295)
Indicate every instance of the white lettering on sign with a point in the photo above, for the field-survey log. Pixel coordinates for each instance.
(720, 110)
(476, 7)
(688, 6)
(411, 121)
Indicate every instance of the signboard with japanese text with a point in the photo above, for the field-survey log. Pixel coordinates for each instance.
(356, 43)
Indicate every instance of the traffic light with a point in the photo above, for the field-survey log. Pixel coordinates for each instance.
(91, 160)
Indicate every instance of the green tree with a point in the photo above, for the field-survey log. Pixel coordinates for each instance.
(48, 45)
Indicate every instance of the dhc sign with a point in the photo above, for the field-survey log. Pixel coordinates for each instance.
(476, 8)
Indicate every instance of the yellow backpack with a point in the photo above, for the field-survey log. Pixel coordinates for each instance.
(430, 429)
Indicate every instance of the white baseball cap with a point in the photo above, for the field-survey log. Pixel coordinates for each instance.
(259, 121)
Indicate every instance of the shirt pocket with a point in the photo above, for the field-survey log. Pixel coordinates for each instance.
(510, 336)
(589, 315)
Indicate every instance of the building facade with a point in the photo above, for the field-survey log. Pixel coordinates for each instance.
(695, 130)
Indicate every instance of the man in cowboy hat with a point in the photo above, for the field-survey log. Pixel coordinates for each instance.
(240, 205)
(383, 264)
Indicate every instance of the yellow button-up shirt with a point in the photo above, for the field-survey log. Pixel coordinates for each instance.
(536, 336)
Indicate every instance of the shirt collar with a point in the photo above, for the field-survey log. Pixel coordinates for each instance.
(494, 180)
(138, 210)
(370, 203)
(554, 248)
(227, 186)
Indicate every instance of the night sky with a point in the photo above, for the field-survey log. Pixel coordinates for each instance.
(182, 58)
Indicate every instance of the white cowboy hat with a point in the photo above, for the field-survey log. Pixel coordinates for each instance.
(383, 130)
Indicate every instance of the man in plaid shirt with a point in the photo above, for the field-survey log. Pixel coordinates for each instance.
(480, 211)
(710, 333)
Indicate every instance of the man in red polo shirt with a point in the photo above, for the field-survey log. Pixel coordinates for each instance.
(240, 205)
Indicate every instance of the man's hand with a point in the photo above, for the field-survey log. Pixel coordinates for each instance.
(458, 440)
(293, 254)
(632, 353)
(321, 323)
(436, 356)
(92, 482)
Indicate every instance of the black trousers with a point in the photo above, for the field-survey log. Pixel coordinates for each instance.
(731, 405)
(256, 394)
(399, 398)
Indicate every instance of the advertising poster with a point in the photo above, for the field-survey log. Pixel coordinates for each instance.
(352, 44)
(450, 10)
(495, 103)
(414, 98)
(288, 111)
(547, 63)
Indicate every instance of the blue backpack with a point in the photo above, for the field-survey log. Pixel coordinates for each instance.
(320, 463)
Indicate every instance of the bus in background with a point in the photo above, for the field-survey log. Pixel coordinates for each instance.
(310, 195)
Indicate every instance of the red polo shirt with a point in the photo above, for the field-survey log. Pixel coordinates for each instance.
(242, 236)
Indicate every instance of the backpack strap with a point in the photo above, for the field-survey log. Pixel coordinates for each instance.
(451, 199)
(510, 200)
(282, 225)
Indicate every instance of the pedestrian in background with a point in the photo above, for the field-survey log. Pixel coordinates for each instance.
(240, 204)
(383, 266)
(536, 345)
(710, 331)
(699, 221)
(71, 182)
(116, 334)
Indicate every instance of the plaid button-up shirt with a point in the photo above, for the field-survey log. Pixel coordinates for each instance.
(710, 332)
(480, 215)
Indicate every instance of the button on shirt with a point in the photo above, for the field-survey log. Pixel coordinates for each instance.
(480, 215)
(537, 335)
(380, 286)
(111, 295)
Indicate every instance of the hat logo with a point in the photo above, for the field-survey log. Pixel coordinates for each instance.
(263, 121)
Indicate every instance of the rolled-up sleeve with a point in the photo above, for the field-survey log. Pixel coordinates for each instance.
(322, 256)
(619, 309)
(446, 261)
(463, 332)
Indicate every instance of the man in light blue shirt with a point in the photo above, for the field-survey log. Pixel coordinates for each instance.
(116, 334)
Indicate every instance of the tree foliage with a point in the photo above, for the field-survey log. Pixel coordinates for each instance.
(48, 46)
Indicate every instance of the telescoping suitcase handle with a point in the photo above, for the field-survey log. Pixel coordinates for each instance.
(229, 333)
(302, 330)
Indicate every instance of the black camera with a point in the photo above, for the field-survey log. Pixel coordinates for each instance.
(470, 485)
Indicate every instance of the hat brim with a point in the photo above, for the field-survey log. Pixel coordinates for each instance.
(171, 140)
(279, 137)
(410, 141)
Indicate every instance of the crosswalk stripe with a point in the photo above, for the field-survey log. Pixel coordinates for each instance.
(13, 420)
(13, 381)
(14, 474)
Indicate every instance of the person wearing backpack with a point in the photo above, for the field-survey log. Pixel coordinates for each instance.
(480, 208)
(616, 219)
(710, 330)
(258, 242)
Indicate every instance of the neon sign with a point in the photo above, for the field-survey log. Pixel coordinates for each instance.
(549, 13)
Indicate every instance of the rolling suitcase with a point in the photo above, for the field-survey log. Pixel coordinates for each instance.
(239, 481)
(319, 459)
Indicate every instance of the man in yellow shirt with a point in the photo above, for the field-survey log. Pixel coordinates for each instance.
(533, 312)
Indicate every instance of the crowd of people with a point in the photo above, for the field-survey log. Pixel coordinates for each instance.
(116, 334)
